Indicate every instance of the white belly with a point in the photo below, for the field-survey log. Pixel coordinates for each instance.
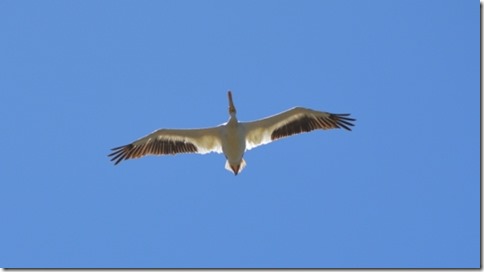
(233, 143)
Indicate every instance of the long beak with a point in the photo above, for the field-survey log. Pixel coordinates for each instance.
(231, 103)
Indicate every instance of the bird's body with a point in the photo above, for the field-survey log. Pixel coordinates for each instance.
(232, 138)
(233, 143)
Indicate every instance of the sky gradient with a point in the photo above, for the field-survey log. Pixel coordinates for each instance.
(402, 190)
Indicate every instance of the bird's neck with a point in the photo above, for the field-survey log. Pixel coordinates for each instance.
(233, 119)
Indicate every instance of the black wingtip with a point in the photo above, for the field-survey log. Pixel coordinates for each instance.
(343, 121)
(118, 154)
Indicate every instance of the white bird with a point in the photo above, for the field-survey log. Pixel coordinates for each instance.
(232, 138)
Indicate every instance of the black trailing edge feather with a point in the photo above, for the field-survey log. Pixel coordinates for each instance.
(308, 123)
(156, 147)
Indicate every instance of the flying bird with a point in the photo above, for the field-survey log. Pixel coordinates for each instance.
(232, 138)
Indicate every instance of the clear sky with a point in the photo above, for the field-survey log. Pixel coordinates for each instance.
(80, 77)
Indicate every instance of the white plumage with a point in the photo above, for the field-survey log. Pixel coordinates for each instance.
(232, 138)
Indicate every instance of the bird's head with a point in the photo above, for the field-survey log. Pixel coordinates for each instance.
(232, 110)
(235, 167)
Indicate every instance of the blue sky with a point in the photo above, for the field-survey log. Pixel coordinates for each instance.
(80, 77)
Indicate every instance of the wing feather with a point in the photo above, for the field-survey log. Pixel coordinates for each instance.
(170, 141)
(294, 121)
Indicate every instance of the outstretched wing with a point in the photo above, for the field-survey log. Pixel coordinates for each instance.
(294, 121)
(170, 141)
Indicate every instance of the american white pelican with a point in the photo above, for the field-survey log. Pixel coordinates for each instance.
(232, 138)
